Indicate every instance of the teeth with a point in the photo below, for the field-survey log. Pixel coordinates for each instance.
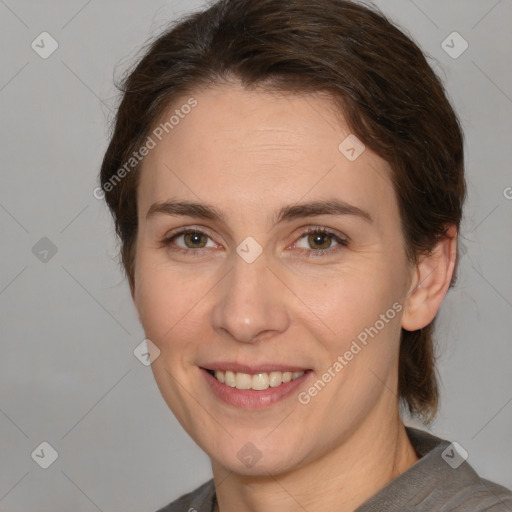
(276, 378)
(229, 379)
(243, 381)
(258, 381)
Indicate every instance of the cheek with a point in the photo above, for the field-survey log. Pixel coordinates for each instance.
(335, 305)
(360, 347)
(165, 299)
(347, 301)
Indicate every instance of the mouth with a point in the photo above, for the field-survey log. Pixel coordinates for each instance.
(254, 388)
(256, 381)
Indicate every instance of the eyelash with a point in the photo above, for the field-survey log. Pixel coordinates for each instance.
(312, 253)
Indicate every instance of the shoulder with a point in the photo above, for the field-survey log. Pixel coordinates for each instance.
(441, 480)
(453, 483)
(198, 500)
(476, 494)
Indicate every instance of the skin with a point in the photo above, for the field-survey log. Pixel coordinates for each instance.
(249, 153)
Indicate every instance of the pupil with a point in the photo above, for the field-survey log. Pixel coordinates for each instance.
(194, 239)
(317, 239)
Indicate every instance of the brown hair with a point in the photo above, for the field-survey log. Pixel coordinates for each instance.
(390, 98)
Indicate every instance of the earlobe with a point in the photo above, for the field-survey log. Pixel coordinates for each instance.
(431, 281)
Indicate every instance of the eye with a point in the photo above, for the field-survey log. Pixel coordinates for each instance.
(316, 241)
(319, 241)
(187, 240)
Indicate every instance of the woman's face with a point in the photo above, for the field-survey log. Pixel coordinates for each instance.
(253, 292)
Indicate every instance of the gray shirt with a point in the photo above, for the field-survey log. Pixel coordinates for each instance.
(441, 481)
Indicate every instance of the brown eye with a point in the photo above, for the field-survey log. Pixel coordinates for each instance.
(194, 240)
(187, 240)
(320, 240)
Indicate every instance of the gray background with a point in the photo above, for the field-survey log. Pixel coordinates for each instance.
(68, 375)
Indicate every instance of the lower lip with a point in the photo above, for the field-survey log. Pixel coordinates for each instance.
(251, 398)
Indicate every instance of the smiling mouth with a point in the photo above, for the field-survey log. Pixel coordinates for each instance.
(257, 381)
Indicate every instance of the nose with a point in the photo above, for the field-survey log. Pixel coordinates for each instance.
(251, 304)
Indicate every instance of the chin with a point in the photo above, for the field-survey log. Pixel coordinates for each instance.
(257, 459)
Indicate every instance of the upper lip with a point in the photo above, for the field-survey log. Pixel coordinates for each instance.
(252, 369)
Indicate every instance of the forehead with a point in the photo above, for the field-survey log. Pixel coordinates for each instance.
(253, 149)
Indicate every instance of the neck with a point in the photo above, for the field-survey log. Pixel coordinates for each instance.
(342, 479)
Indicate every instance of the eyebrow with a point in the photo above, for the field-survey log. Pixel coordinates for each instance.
(287, 213)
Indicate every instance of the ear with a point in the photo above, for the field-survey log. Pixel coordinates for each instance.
(433, 275)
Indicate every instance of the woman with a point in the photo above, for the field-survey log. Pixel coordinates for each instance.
(287, 182)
